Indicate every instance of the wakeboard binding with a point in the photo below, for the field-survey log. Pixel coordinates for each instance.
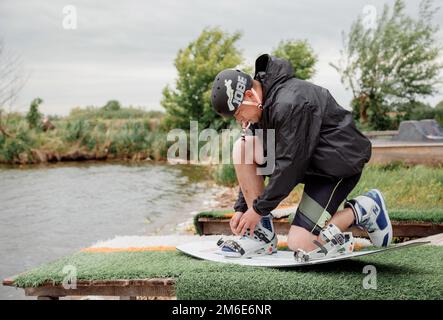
(263, 241)
(335, 243)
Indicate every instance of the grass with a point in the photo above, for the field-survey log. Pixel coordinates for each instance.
(92, 112)
(407, 189)
(414, 273)
(432, 216)
(116, 138)
(412, 193)
(224, 174)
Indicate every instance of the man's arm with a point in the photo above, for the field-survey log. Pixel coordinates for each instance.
(297, 129)
(240, 205)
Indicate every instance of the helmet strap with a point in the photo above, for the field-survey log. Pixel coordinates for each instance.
(258, 104)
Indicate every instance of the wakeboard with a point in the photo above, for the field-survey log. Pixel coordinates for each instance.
(208, 250)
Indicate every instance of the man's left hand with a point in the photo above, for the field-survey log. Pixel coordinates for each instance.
(248, 221)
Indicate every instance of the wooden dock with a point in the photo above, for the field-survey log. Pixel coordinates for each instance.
(212, 226)
(384, 152)
(160, 288)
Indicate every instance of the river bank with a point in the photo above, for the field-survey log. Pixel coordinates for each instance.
(94, 133)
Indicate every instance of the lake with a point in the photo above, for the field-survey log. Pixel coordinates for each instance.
(50, 211)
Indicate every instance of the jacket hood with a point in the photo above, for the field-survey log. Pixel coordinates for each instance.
(271, 71)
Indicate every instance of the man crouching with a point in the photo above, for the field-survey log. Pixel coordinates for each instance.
(316, 143)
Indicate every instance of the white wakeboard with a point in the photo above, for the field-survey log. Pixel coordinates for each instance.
(208, 250)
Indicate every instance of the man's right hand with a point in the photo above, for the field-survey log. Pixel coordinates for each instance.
(234, 221)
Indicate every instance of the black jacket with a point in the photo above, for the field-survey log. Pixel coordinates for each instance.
(314, 135)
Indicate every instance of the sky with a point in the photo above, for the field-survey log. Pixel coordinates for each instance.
(125, 50)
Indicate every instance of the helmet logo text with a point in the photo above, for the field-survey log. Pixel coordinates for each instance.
(237, 96)
(230, 94)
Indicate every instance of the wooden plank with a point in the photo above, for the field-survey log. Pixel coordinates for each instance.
(46, 298)
(385, 133)
(401, 229)
(414, 153)
(156, 287)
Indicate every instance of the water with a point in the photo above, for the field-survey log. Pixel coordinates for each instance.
(51, 211)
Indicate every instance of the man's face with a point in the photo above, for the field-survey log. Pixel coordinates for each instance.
(248, 113)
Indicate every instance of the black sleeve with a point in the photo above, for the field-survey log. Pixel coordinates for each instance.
(240, 205)
(296, 133)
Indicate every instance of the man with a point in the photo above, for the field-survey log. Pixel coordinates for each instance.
(316, 143)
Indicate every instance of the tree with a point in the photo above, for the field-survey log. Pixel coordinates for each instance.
(34, 117)
(12, 77)
(301, 56)
(112, 105)
(439, 105)
(392, 64)
(197, 65)
(12, 80)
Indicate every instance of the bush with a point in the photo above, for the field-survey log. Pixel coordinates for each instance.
(34, 117)
(224, 174)
(112, 105)
(436, 114)
(91, 112)
(418, 111)
(76, 130)
(12, 147)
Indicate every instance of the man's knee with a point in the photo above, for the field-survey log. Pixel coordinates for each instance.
(243, 151)
(237, 151)
(248, 151)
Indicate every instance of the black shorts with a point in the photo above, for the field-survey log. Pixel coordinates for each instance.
(321, 198)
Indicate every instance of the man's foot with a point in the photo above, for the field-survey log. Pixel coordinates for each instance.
(264, 241)
(335, 243)
(371, 214)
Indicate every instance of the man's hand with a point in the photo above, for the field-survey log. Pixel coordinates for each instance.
(234, 221)
(248, 221)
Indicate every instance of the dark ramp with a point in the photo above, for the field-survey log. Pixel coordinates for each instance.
(421, 131)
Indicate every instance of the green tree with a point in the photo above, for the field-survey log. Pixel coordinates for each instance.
(301, 56)
(112, 105)
(197, 65)
(392, 64)
(439, 105)
(34, 117)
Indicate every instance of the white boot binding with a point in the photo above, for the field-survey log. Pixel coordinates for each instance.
(371, 215)
(263, 241)
(336, 243)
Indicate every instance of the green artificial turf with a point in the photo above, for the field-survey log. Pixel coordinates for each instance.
(414, 273)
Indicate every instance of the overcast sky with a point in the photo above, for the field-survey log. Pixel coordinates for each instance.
(125, 49)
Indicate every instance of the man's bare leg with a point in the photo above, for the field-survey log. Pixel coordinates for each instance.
(343, 219)
(300, 238)
(251, 184)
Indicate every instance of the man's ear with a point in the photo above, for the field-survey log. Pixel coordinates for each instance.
(248, 93)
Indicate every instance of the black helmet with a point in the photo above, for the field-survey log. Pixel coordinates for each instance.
(228, 91)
